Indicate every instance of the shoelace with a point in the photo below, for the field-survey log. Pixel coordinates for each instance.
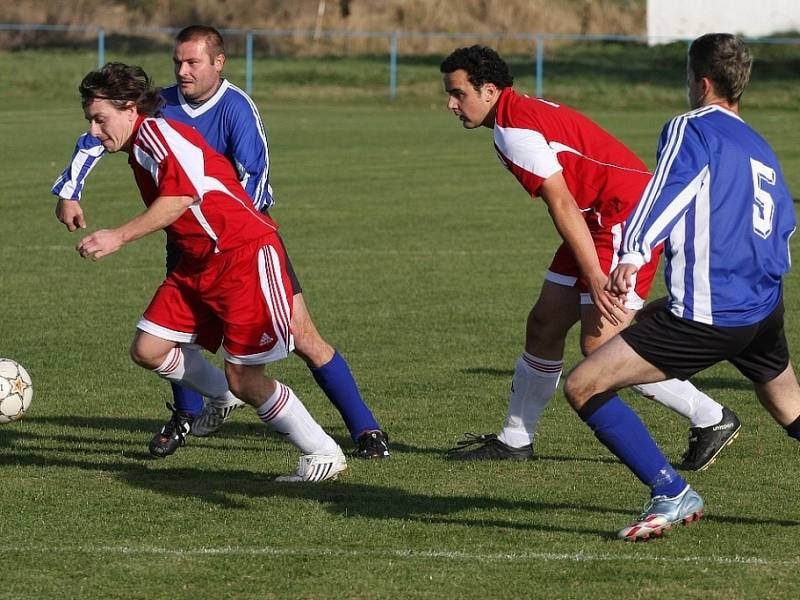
(175, 426)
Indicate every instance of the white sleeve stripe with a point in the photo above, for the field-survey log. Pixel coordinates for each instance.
(264, 179)
(151, 141)
(675, 137)
(655, 185)
(147, 144)
(655, 234)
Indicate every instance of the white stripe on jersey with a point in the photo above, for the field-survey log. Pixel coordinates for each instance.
(264, 179)
(677, 264)
(558, 147)
(146, 161)
(674, 138)
(656, 232)
(149, 140)
(83, 158)
(205, 106)
(701, 276)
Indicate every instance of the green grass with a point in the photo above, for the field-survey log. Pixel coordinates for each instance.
(420, 257)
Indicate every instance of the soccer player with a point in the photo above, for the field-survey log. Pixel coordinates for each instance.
(719, 200)
(230, 285)
(590, 182)
(230, 123)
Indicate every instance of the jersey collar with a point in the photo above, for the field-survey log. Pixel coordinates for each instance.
(205, 106)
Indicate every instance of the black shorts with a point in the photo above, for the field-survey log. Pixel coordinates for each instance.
(174, 255)
(681, 348)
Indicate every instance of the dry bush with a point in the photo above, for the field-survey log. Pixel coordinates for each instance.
(483, 18)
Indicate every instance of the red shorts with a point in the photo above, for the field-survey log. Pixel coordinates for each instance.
(241, 299)
(564, 268)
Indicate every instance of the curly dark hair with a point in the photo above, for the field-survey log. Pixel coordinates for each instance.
(122, 84)
(482, 64)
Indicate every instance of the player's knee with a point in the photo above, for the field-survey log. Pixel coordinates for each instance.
(144, 356)
(312, 348)
(541, 330)
(235, 375)
(578, 389)
(590, 344)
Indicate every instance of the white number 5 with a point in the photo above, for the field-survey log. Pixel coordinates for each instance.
(764, 206)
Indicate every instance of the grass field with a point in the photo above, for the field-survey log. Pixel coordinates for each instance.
(419, 258)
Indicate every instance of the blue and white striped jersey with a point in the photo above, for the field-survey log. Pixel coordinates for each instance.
(229, 122)
(719, 201)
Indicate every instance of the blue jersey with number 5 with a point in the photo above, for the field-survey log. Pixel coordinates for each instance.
(719, 202)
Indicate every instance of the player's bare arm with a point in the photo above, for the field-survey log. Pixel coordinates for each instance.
(572, 227)
(70, 213)
(164, 211)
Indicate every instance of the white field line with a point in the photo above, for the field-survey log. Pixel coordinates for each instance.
(400, 554)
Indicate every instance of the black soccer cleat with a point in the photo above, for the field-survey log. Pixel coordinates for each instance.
(173, 435)
(487, 447)
(372, 444)
(705, 443)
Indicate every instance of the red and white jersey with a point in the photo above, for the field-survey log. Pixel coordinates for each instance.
(536, 139)
(169, 158)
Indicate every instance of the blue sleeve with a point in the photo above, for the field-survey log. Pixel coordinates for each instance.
(683, 166)
(248, 139)
(88, 151)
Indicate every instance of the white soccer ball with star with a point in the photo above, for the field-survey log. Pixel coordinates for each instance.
(16, 391)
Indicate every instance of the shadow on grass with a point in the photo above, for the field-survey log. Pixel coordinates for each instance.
(226, 439)
(221, 487)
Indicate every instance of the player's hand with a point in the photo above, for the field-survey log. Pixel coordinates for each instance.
(621, 280)
(611, 307)
(70, 213)
(99, 244)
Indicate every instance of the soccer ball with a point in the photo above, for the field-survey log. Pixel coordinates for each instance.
(16, 391)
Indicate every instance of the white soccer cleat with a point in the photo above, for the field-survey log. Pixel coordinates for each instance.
(317, 467)
(662, 513)
(212, 418)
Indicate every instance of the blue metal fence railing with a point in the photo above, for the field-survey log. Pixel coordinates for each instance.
(393, 40)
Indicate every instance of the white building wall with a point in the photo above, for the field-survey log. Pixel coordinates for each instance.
(670, 20)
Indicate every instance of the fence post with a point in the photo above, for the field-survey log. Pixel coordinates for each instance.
(393, 65)
(101, 48)
(248, 63)
(539, 66)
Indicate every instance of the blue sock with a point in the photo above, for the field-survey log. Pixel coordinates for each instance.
(793, 429)
(187, 400)
(337, 382)
(622, 431)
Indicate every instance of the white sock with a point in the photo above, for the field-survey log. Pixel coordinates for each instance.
(186, 366)
(284, 411)
(684, 399)
(535, 381)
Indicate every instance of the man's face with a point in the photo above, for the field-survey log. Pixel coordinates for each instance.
(111, 125)
(473, 107)
(196, 73)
